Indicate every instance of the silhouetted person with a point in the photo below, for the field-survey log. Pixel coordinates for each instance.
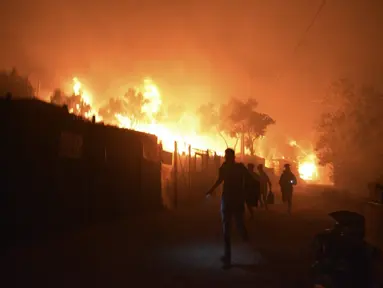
(233, 175)
(265, 184)
(287, 182)
(8, 96)
(252, 189)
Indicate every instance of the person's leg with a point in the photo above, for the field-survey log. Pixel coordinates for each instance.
(240, 223)
(226, 226)
(261, 202)
(290, 202)
(265, 199)
(250, 209)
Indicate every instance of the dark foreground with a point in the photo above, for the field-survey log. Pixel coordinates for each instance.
(177, 249)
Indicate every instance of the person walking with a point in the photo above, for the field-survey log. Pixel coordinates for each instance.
(287, 182)
(233, 176)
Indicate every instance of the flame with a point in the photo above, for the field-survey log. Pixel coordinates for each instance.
(185, 131)
(307, 165)
(308, 169)
(85, 101)
(78, 91)
(152, 94)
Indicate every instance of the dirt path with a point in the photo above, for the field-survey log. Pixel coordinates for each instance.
(178, 249)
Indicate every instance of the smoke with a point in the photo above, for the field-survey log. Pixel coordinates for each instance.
(202, 52)
(351, 133)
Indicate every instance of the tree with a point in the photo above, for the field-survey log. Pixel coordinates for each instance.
(108, 112)
(58, 98)
(241, 118)
(75, 103)
(350, 133)
(18, 86)
(211, 121)
(233, 119)
(129, 106)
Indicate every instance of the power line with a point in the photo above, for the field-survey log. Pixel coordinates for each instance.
(304, 35)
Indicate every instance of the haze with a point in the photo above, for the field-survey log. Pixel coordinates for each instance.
(200, 51)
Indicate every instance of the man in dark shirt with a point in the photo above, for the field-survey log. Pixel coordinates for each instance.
(233, 175)
(287, 181)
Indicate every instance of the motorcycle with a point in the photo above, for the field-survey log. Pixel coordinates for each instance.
(341, 256)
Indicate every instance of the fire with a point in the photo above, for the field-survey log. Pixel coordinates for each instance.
(307, 165)
(308, 169)
(84, 105)
(152, 94)
(78, 91)
(184, 131)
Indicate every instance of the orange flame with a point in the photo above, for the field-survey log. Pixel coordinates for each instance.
(307, 164)
(185, 131)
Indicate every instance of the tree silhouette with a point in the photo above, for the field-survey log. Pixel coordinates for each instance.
(58, 98)
(350, 133)
(234, 119)
(241, 118)
(211, 121)
(75, 103)
(12, 82)
(129, 106)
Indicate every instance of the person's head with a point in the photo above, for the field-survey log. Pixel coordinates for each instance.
(287, 167)
(250, 167)
(229, 155)
(260, 167)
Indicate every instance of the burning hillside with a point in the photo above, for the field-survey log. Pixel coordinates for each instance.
(212, 127)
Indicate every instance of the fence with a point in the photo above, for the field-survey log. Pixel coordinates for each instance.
(186, 177)
(62, 171)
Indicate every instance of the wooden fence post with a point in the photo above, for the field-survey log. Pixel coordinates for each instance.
(175, 171)
(189, 170)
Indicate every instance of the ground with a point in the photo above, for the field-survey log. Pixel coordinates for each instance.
(178, 249)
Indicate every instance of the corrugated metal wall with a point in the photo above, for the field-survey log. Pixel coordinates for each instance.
(63, 172)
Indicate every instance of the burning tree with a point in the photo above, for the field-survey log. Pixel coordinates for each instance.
(18, 86)
(350, 133)
(75, 103)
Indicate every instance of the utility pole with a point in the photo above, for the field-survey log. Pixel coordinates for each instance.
(189, 170)
(175, 174)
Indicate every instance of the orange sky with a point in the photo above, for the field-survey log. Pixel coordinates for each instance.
(199, 51)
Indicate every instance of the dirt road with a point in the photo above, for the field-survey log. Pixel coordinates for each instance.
(177, 249)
